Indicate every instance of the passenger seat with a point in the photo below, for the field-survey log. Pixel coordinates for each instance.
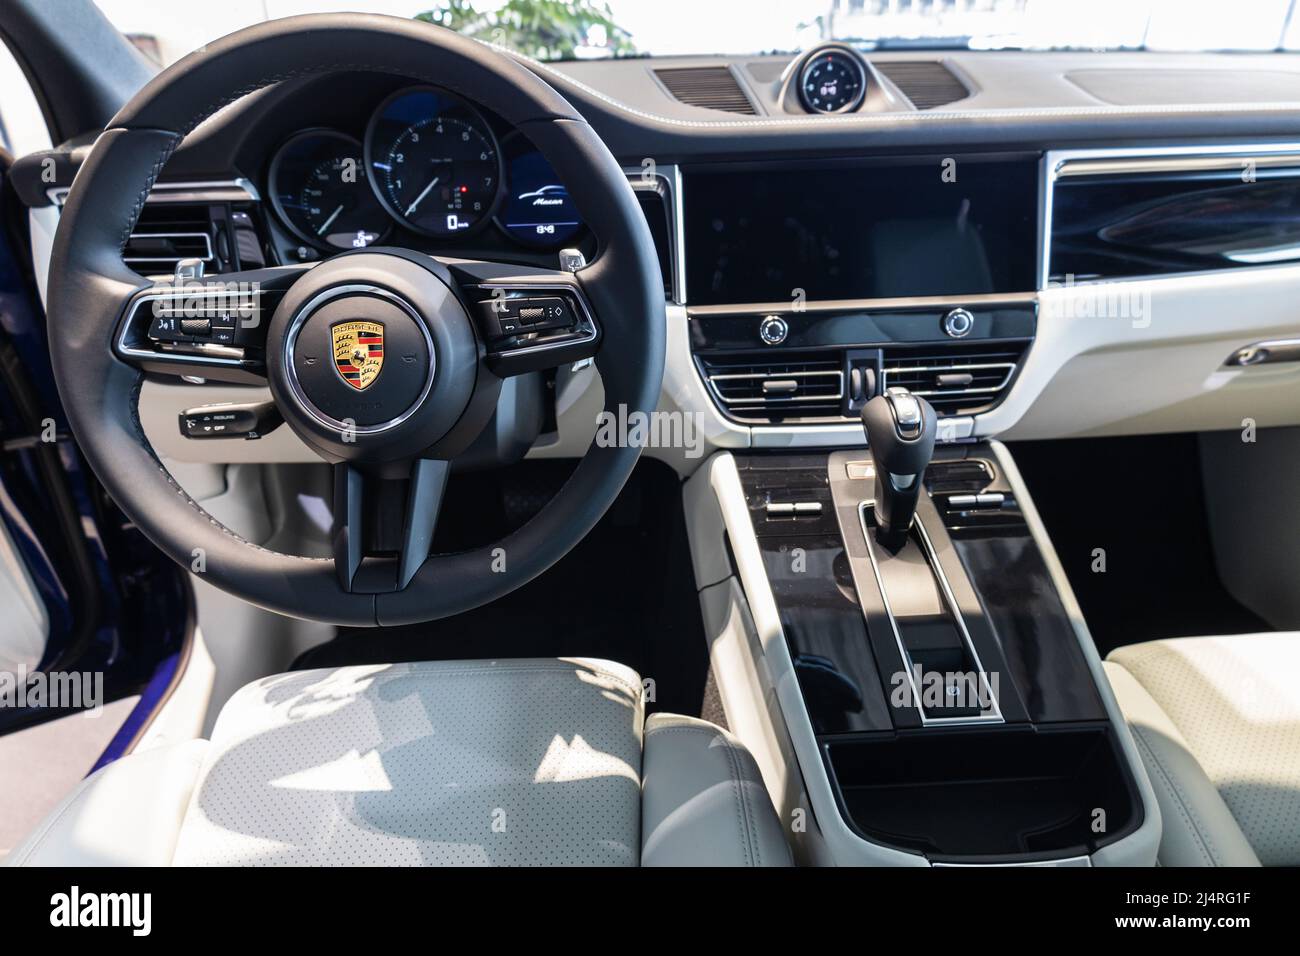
(1217, 721)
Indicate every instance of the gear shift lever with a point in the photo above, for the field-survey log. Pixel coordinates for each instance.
(900, 430)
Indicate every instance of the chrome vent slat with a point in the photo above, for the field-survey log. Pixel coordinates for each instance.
(805, 389)
(988, 372)
(203, 252)
(166, 233)
(708, 87)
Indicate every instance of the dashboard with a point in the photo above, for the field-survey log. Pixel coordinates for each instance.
(826, 224)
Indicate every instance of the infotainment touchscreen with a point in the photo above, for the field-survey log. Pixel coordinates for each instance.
(855, 230)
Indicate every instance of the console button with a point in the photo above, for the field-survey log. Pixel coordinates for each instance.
(773, 330)
(958, 323)
(166, 328)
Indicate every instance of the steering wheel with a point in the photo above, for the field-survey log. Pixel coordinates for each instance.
(391, 443)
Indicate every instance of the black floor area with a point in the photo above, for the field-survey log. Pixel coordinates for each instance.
(1141, 500)
(625, 593)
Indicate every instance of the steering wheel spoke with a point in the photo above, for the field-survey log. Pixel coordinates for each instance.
(211, 328)
(530, 319)
(383, 526)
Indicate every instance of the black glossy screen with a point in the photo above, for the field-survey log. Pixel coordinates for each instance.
(1158, 224)
(858, 230)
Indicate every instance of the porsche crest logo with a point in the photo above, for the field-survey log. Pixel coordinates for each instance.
(358, 352)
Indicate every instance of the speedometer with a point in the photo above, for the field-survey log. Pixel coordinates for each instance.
(434, 162)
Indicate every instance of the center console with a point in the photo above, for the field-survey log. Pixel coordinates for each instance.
(891, 633)
(930, 676)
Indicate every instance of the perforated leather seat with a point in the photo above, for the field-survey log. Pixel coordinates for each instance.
(474, 762)
(1217, 721)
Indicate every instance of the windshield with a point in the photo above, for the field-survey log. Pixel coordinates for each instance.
(551, 30)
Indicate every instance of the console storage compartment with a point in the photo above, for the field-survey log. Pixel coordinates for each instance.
(975, 794)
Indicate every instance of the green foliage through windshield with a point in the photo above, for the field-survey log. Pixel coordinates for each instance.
(544, 29)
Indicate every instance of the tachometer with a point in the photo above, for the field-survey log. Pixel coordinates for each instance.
(320, 189)
(435, 164)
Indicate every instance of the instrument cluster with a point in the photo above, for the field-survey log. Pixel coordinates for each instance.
(429, 163)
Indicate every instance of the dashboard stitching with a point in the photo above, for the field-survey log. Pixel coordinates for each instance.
(141, 199)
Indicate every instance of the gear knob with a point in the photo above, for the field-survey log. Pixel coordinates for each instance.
(900, 430)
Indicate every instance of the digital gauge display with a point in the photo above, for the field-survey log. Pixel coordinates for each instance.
(537, 210)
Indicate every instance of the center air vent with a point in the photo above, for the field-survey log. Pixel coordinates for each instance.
(795, 388)
(953, 380)
(708, 87)
(927, 83)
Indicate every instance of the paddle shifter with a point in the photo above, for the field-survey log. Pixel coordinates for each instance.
(900, 436)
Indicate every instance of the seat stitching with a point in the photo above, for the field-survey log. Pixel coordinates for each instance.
(744, 816)
(1189, 816)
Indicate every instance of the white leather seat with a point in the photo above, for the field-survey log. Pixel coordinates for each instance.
(1217, 721)
(474, 762)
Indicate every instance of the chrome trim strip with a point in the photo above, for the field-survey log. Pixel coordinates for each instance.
(1190, 164)
(160, 293)
(291, 376)
(670, 176)
(1168, 158)
(748, 310)
(207, 242)
(679, 238)
(238, 189)
(1059, 861)
(994, 716)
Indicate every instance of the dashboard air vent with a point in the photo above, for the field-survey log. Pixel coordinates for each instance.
(927, 83)
(951, 379)
(709, 87)
(168, 233)
(753, 389)
(654, 201)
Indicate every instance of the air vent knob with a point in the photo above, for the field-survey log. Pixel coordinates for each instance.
(958, 323)
(773, 330)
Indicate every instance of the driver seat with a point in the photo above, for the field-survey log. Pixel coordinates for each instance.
(511, 762)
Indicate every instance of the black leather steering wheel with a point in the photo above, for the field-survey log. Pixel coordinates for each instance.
(391, 457)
